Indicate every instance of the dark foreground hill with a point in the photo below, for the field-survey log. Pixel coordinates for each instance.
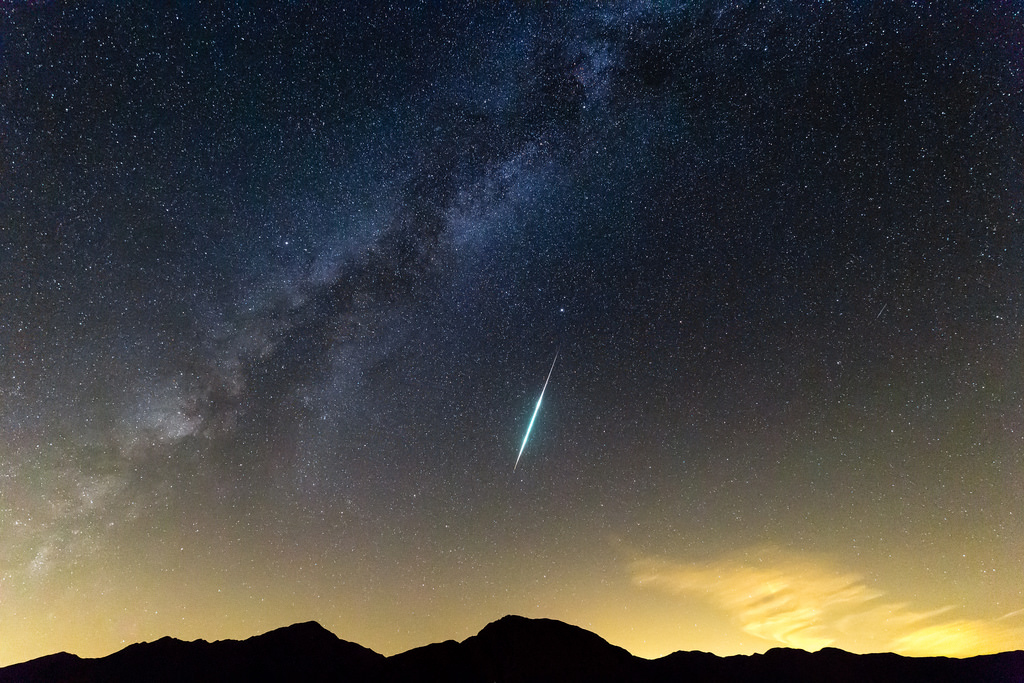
(513, 649)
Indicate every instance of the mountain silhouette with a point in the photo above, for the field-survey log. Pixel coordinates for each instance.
(512, 650)
(518, 649)
(301, 652)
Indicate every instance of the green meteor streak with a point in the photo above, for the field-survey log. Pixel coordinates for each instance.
(535, 411)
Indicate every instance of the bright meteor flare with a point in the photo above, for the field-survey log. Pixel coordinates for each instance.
(535, 411)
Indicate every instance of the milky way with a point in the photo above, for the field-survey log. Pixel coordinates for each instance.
(277, 278)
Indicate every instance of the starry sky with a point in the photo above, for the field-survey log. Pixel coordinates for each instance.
(282, 282)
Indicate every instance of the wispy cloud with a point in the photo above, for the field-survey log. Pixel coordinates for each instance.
(806, 602)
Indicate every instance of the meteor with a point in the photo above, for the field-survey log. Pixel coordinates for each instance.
(535, 411)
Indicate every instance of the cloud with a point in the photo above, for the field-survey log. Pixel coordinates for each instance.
(806, 602)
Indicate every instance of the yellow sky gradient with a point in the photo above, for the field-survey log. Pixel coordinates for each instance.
(738, 603)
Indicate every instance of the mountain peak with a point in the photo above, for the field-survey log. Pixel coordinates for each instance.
(305, 630)
(540, 633)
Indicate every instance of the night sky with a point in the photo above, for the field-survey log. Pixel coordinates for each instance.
(281, 285)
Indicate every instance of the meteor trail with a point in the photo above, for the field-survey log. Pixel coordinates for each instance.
(535, 411)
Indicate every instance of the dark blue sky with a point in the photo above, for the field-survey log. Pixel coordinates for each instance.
(282, 282)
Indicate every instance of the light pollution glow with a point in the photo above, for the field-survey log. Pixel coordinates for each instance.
(742, 603)
(802, 603)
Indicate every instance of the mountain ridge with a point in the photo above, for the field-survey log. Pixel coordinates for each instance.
(511, 649)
